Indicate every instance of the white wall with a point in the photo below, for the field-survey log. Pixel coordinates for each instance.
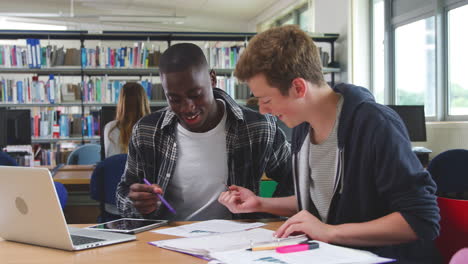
(360, 49)
(443, 136)
(332, 16)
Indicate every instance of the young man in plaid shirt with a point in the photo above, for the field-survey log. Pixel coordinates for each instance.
(202, 142)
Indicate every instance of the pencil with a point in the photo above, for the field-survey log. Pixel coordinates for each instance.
(274, 245)
(161, 198)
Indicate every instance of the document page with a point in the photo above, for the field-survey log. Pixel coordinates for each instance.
(325, 254)
(209, 227)
(205, 245)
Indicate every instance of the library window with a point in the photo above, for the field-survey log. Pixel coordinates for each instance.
(415, 69)
(457, 58)
(288, 20)
(304, 19)
(378, 49)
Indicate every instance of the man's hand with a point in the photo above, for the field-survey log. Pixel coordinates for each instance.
(305, 223)
(240, 200)
(144, 198)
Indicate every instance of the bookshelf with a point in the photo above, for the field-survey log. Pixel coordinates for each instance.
(83, 72)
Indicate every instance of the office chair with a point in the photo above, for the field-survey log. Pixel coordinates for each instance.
(449, 170)
(453, 226)
(62, 194)
(103, 185)
(7, 160)
(87, 154)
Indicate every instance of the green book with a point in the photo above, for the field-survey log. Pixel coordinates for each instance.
(98, 90)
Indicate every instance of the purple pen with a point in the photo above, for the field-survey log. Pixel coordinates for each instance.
(161, 198)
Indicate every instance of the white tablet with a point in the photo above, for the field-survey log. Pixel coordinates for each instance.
(129, 225)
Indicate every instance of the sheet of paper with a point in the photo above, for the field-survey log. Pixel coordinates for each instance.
(325, 254)
(204, 245)
(209, 227)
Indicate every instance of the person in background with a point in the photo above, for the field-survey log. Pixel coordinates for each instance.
(133, 104)
(357, 181)
(202, 142)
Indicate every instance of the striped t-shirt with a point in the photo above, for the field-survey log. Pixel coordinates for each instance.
(322, 163)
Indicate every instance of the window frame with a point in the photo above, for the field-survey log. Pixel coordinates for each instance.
(439, 10)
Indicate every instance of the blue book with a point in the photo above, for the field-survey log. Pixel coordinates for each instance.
(19, 91)
(84, 56)
(63, 124)
(89, 120)
(122, 57)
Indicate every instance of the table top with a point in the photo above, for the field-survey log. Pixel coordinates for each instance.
(138, 251)
(74, 174)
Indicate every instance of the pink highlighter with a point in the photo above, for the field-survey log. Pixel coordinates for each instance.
(297, 248)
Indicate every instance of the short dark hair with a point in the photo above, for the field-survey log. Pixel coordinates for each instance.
(182, 56)
(281, 54)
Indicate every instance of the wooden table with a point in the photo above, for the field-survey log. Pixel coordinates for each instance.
(138, 251)
(74, 174)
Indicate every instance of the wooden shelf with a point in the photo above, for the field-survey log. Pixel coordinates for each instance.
(55, 140)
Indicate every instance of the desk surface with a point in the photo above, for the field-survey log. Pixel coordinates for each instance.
(138, 251)
(74, 174)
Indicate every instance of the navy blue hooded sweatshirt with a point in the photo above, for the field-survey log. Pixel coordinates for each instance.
(377, 174)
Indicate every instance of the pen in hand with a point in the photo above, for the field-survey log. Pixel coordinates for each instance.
(161, 198)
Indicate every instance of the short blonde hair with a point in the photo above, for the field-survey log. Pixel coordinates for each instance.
(281, 54)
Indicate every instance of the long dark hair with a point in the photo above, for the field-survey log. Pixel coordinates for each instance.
(133, 104)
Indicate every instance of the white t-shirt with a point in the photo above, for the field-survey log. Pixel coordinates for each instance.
(200, 174)
(111, 147)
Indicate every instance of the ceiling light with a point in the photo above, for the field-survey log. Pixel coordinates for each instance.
(140, 19)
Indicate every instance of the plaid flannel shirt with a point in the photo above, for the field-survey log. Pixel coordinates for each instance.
(254, 145)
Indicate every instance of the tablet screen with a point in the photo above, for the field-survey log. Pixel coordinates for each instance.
(127, 224)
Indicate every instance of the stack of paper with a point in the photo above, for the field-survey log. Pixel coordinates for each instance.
(231, 248)
(209, 227)
(208, 244)
(325, 254)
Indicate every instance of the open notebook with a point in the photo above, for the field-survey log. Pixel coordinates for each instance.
(232, 248)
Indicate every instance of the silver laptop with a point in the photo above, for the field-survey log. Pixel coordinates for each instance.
(31, 213)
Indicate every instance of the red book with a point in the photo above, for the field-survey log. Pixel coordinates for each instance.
(36, 125)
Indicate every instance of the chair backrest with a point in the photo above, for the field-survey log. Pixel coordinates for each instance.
(105, 178)
(453, 226)
(62, 193)
(7, 160)
(449, 170)
(461, 257)
(87, 154)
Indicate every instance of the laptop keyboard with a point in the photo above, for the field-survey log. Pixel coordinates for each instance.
(80, 240)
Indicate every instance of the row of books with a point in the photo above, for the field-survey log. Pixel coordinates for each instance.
(13, 56)
(56, 90)
(34, 56)
(28, 156)
(98, 89)
(103, 90)
(137, 56)
(54, 124)
(140, 55)
(32, 90)
(232, 87)
(223, 57)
